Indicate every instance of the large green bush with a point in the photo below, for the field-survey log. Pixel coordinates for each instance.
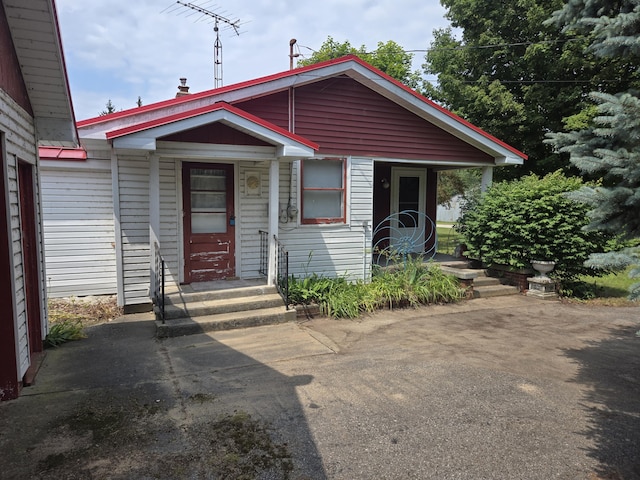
(532, 218)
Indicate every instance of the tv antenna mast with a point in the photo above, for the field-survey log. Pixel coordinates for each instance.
(217, 45)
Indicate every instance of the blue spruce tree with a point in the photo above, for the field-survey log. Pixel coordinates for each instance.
(608, 146)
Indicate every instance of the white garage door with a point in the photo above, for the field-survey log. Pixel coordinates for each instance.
(78, 232)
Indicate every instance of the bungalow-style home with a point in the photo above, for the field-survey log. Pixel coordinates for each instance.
(34, 105)
(310, 161)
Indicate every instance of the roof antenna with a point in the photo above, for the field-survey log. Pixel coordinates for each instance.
(217, 45)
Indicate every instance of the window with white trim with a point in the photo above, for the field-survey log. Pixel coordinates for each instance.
(323, 190)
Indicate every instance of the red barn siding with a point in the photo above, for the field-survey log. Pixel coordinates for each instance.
(10, 74)
(346, 118)
(217, 133)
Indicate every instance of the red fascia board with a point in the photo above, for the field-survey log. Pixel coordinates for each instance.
(208, 109)
(62, 153)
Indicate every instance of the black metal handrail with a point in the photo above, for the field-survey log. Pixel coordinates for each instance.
(264, 253)
(158, 292)
(282, 279)
(282, 264)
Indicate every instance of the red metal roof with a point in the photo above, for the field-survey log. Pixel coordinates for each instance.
(62, 153)
(208, 109)
(289, 73)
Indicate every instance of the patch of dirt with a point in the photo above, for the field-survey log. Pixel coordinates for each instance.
(123, 438)
(86, 310)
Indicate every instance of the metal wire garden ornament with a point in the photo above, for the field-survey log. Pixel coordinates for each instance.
(404, 234)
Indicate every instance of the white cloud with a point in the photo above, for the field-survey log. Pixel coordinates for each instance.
(120, 49)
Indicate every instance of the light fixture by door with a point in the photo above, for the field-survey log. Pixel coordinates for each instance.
(385, 183)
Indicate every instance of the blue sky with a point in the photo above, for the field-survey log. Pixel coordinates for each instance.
(119, 49)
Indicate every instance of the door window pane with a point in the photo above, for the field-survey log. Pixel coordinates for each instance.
(208, 223)
(208, 200)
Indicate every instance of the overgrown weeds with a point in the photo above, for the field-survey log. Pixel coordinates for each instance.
(411, 282)
(63, 332)
(69, 316)
(89, 311)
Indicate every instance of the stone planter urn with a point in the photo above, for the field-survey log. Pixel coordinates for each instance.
(541, 285)
(542, 267)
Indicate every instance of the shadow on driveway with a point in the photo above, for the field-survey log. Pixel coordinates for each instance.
(121, 404)
(611, 367)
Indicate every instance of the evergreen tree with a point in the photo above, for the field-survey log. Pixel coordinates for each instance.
(609, 146)
(110, 108)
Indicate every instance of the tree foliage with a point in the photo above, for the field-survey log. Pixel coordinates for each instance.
(516, 76)
(109, 108)
(532, 218)
(389, 57)
(608, 144)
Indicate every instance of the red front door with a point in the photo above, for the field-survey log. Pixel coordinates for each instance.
(209, 232)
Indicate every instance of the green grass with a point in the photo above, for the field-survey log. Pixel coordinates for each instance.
(448, 240)
(614, 285)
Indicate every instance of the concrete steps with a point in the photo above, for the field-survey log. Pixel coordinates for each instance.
(197, 312)
(484, 287)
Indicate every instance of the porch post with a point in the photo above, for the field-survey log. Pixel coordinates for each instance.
(154, 217)
(487, 178)
(274, 199)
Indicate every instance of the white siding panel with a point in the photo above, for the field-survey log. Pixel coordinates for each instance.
(133, 178)
(333, 250)
(254, 216)
(19, 144)
(169, 218)
(79, 231)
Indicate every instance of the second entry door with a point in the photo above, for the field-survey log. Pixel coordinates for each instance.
(408, 195)
(209, 222)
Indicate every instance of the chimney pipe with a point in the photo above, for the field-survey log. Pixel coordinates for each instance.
(183, 89)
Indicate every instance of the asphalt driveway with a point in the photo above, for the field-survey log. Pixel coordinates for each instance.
(499, 388)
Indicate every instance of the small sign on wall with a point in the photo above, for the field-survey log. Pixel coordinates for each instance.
(252, 184)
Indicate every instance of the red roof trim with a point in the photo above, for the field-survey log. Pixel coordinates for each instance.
(208, 109)
(297, 71)
(62, 153)
(209, 93)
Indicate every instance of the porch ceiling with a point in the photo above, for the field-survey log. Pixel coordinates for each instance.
(144, 136)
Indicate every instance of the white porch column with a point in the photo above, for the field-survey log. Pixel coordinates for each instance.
(274, 207)
(487, 178)
(154, 217)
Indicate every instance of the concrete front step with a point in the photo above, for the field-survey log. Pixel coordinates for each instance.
(224, 294)
(224, 321)
(481, 281)
(494, 290)
(221, 305)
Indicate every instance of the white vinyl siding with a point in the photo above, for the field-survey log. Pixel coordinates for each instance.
(133, 179)
(79, 230)
(20, 145)
(332, 250)
(254, 215)
(169, 218)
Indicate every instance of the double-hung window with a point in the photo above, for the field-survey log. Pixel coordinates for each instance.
(323, 190)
